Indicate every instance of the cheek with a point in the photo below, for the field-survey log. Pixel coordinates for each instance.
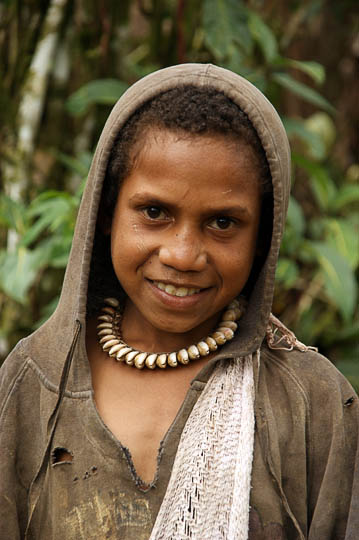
(129, 247)
(236, 262)
(236, 268)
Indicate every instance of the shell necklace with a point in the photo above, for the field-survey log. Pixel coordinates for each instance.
(110, 339)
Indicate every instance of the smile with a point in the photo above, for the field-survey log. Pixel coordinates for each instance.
(175, 291)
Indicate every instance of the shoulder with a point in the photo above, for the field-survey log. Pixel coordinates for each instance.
(309, 371)
(304, 397)
(307, 366)
(305, 391)
(284, 356)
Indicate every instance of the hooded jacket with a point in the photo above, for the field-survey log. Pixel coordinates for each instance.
(305, 477)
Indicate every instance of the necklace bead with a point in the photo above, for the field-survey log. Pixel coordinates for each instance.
(110, 339)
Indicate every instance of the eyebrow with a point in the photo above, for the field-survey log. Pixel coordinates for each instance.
(147, 198)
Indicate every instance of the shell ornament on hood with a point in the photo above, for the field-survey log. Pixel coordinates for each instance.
(268, 429)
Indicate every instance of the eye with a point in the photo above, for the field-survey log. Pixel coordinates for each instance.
(222, 223)
(154, 212)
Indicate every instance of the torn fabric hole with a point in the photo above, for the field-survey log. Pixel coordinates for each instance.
(61, 455)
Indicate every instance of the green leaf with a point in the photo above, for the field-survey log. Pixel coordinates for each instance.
(12, 214)
(287, 272)
(79, 165)
(339, 280)
(303, 91)
(225, 22)
(53, 214)
(344, 238)
(296, 127)
(296, 217)
(346, 195)
(323, 186)
(18, 272)
(291, 243)
(264, 36)
(321, 124)
(59, 247)
(35, 230)
(100, 91)
(48, 195)
(314, 320)
(52, 208)
(315, 70)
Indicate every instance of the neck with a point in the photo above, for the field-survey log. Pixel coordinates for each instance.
(145, 337)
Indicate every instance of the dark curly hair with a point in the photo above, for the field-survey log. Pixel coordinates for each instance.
(190, 111)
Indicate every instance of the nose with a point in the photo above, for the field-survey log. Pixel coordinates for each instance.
(184, 251)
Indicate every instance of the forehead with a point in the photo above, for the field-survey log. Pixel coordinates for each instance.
(160, 144)
(197, 169)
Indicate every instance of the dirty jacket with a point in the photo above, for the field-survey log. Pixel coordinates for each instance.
(305, 477)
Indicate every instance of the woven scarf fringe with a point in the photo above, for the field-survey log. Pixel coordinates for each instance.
(207, 497)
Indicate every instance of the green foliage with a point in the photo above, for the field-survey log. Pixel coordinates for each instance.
(264, 36)
(322, 255)
(313, 69)
(318, 267)
(18, 272)
(339, 280)
(302, 90)
(102, 91)
(225, 24)
(45, 232)
(297, 128)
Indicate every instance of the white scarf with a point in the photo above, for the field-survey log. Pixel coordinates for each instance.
(207, 497)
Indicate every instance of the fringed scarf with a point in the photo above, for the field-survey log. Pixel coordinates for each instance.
(207, 497)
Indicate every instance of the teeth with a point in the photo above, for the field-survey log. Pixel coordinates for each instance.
(176, 291)
(170, 289)
(182, 291)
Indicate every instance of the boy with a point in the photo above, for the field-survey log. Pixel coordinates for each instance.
(162, 399)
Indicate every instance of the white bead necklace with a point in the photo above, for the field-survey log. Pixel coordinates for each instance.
(110, 339)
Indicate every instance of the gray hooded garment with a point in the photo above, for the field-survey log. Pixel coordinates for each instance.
(305, 478)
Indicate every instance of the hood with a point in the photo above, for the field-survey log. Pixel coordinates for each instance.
(50, 344)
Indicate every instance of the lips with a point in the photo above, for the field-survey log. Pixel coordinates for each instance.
(174, 290)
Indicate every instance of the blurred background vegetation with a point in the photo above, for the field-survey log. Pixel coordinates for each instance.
(63, 65)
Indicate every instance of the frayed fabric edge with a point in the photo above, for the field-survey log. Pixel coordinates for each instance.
(279, 337)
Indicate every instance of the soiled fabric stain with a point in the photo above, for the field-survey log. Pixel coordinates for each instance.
(114, 512)
(269, 531)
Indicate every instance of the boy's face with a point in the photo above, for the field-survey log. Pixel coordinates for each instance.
(184, 231)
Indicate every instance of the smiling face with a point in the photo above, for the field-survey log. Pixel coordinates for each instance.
(184, 235)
